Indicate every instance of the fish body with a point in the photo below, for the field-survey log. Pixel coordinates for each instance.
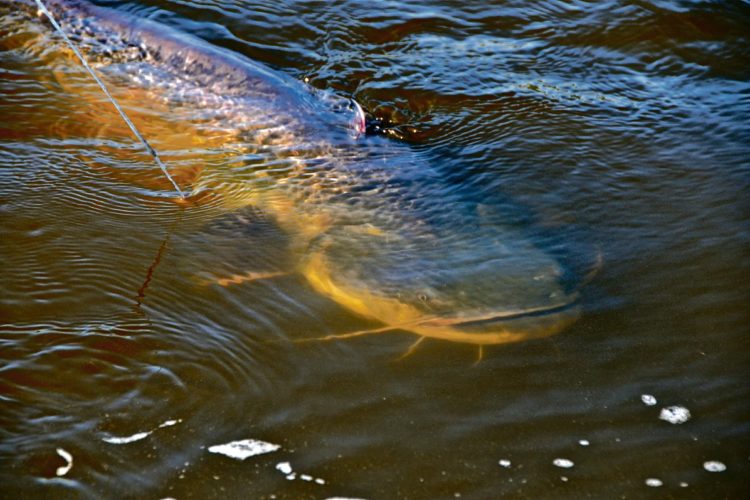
(378, 228)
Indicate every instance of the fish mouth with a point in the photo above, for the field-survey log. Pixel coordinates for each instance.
(495, 318)
(499, 327)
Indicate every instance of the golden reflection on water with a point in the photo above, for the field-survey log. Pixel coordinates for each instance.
(188, 326)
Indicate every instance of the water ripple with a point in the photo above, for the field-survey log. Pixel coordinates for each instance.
(613, 132)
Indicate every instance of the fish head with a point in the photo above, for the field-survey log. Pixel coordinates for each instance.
(458, 287)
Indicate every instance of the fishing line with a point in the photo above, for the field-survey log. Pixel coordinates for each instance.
(141, 295)
(130, 124)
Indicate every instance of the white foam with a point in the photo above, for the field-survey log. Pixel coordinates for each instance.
(284, 467)
(714, 466)
(653, 482)
(675, 414)
(127, 439)
(139, 435)
(244, 448)
(61, 471)
(504, 463)
(648, 399)
(563, 462)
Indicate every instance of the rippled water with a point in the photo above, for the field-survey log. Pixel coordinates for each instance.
(614, 129)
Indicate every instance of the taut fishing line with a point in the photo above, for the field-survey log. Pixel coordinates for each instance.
(143, 140)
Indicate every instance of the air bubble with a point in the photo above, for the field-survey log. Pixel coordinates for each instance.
(714, 466)
(648, 399)
(284, 467)
(653, 482)
(563, 462)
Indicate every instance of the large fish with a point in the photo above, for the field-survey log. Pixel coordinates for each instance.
(377, 228)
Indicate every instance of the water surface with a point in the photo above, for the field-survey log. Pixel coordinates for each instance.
(617, 128)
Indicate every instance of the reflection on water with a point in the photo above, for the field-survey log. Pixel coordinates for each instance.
(527, 136)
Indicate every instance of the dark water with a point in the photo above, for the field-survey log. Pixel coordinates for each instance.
(618, 128)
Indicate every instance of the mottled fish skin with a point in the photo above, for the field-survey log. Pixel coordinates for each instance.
(377, 239)
(150, 53)
(118, 37)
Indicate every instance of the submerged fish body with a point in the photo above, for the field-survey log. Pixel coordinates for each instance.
(378, 229)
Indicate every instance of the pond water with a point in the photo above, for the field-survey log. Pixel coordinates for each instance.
(608, 141)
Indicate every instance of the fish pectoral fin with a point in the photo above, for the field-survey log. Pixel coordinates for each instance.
(248, 277)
